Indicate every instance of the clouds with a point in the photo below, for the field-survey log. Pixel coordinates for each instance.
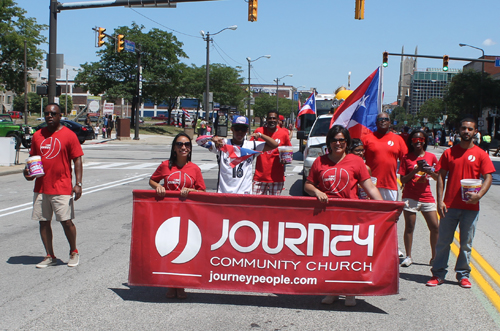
(489, 42)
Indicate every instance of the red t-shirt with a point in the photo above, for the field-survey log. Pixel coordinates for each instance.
(418, 187)
(463, 164)
(177, 178)
(57, 150)
(382, 152)
(339, 180)
(268, 168)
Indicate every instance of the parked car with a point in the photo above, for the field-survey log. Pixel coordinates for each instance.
(22, 133)
(16, 114)
(83, 132)
(161, 117)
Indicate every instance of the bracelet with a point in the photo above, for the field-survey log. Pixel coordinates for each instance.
(260, 135)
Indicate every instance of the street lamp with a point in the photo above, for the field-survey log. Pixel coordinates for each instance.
(206, 37)
(277, 84)
(249, 93)
(482, 74)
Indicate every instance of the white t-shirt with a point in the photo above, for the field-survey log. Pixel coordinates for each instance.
(238, 179)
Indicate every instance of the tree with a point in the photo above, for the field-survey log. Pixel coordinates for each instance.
(433, 110)
(263, 103)
(33, 102)
(62, 103)
(400, 115)
(463, 95)
(115, 75)
(15, 28)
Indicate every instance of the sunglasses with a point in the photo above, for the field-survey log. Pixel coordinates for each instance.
(51, 113)
(382, 119)
(340, 140)
(418, 140)
(240, 128)
(185, 144)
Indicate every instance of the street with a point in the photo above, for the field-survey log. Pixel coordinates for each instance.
(95, 295)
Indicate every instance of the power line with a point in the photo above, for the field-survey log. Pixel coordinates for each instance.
(241, 64)
(166, 27)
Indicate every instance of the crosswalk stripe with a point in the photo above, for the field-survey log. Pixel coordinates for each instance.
(297, 169)
(111, 165)
(151, 165)
(143, 166)
(207, 166)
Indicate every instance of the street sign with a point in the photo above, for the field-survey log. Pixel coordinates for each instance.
(129, 46)
(497, 62)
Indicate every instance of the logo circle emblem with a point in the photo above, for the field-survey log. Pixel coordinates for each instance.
(390, 143)
(471, 158)
(167, 239)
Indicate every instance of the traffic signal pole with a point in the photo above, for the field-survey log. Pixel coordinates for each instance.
(441, 57)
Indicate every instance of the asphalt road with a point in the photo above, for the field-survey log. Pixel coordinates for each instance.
(95, 295)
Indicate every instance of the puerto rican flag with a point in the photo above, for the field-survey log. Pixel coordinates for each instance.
(358, 113)
(309, 106)
(237, 154)
(186, 113)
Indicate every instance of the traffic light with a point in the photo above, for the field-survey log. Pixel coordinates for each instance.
(359, 12)
(120, 43)
(385, 59)
(252, 10)
(101, 37)
(446, 58)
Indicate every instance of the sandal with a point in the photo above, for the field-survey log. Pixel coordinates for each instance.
(181, 294)
(171, 293)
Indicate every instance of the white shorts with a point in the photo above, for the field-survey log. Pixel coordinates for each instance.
(388, 195)
(415, 206)
(45, 205)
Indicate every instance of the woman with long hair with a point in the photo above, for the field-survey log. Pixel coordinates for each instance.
(337, 141)
(415, 170)
(178, 174)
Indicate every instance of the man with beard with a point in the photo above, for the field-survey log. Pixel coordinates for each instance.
(269, 177)
(462, 161)
(238, 179)
(57, 146)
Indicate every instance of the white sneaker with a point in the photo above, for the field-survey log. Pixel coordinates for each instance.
(329, 299)
(407, 262)
(74, 260)
(350, 301)
(400, 253)
(48, 261)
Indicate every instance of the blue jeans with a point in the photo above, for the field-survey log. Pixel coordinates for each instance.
(466, 220)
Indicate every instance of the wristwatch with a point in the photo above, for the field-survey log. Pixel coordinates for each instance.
(79, 184)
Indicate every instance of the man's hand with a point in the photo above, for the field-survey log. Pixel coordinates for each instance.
(441, 208)
(473, 198)
(218, 141)
(26, 175)
(78, 191)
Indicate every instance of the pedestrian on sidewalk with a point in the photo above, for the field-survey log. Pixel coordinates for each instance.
(462, 161)
(58, 146)
(178, 173)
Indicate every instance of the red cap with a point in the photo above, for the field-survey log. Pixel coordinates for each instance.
(282, 118)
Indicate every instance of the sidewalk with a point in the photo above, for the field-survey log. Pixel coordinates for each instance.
(144, 139)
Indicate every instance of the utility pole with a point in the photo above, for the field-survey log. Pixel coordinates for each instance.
(52, 50)
(25, 84)
(139, 94)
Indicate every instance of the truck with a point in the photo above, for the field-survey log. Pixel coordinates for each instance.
(22, 133)
(324, 103)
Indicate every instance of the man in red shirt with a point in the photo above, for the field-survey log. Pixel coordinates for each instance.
(383, 149)
(463, 161)
(269, 177)
(57, 146)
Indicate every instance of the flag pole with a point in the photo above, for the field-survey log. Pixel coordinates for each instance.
(315, 109)
(380, 89)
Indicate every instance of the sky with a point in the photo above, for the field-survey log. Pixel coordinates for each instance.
(317, 41)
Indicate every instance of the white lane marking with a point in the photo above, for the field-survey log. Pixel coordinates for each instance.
(111, 165)
(297, 169)
(207, 166)
(90, 164)
(143, 166)
(89, 190)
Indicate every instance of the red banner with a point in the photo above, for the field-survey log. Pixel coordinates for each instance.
(255, 243)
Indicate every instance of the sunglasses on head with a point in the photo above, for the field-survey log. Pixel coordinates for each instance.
(382, 119)
(180, 144)
(418, 140)
(52, 113)
(240, 128)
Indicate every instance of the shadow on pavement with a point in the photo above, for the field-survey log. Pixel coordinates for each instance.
(305, 302)
(28, 260)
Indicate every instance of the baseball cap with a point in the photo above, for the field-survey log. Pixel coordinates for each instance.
(282, 118)
(240, 120)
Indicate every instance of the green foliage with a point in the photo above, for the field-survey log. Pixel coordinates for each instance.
(463, 96)
(15, 28)
(62, 103)
(433, 109)
(263, 103)
(400, 115)
(33, 102)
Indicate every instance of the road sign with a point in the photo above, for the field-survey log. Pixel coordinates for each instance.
(497, 62)
(129, 46)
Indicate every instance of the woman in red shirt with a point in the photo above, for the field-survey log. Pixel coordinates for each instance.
(415, 169)
(336, 175)
(178, 174)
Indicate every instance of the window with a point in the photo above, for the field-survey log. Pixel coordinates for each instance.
(8, 99)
